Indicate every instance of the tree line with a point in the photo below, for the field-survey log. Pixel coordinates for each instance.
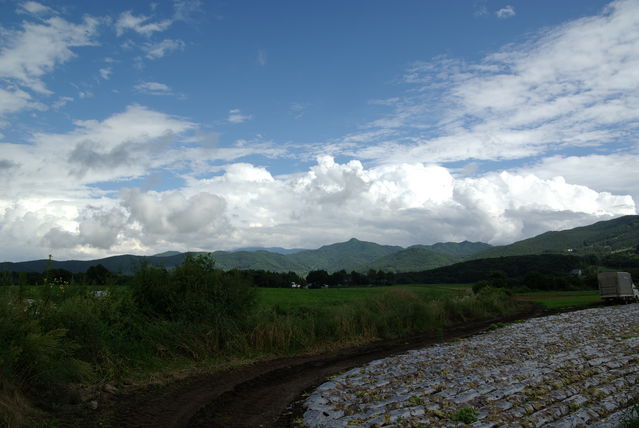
(546, 271)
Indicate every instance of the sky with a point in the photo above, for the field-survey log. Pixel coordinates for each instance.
(141, 127)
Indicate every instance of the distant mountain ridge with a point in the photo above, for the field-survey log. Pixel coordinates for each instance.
(350, 255)
(278, 250)
(604, 237)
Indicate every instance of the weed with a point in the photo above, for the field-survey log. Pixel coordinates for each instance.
(466, 414)
(495, 326)
(415, 400)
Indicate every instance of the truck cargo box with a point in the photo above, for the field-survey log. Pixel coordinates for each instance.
(617, 285)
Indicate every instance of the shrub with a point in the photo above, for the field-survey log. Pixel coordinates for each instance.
(195, 292)
(34, 354)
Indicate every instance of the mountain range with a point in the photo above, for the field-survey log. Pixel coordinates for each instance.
(600, 238)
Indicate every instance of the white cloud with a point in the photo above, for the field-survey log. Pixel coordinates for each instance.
(246, 205)
(174, 218)
(140, 24)
(37, 48)
(15, 100)
(616, 172)
(154, 88)
(506, 12)
(236, 116)
(576, 85)
(123, 146)
(158, 50)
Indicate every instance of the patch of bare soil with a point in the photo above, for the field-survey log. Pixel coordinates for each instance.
(263, 394)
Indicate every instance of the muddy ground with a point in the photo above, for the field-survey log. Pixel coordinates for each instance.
(263, 394)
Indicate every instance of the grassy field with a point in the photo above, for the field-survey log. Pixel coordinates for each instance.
(59, 335)
(562, 299)
(290, 298)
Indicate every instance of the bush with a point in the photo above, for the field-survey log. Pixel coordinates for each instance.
(194, 292)
(33, 353)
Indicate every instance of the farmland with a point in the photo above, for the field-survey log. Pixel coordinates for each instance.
(196, 318)
(291, 298)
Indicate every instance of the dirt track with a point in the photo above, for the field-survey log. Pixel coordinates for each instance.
(258, 395)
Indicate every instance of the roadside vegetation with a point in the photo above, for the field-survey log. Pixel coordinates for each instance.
(64, 333)
(60, 338)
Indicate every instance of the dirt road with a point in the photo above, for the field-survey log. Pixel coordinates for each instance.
(258, 395)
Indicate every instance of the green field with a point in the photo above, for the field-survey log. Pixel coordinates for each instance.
(299, 297)
(562, 299)
(290, 299)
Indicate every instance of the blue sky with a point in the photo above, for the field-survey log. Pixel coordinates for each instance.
(186, 125)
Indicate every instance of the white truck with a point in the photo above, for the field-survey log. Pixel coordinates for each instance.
(617, 286)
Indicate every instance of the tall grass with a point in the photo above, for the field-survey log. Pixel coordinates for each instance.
(62, 335)
(394, 313)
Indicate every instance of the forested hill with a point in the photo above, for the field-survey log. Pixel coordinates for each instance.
(617, 236)
(601, 238)
(350, 255)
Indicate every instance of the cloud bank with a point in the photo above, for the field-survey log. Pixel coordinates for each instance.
(245, 205)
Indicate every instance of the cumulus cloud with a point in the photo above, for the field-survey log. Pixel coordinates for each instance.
(174, 218)
(406, 204)
(236, 116)
(246, 205)
(615, 172)
(96, 228)
(505, 12)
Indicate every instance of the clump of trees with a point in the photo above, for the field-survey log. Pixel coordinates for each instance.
(318, 278)
(192, 291)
